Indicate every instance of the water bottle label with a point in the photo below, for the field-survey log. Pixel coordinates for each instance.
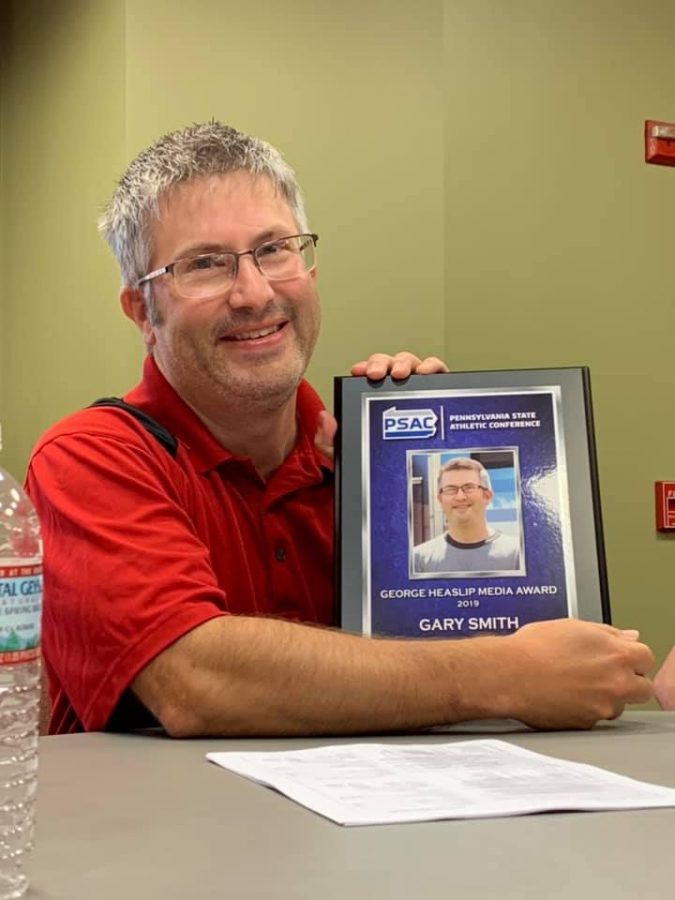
(20, 608)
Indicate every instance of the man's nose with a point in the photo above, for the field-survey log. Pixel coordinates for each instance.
(250, 287)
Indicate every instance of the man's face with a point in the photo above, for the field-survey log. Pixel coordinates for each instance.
(252, 342)
(463, 508)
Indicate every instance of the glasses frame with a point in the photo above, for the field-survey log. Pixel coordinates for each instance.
(253, 253)
(447, 490)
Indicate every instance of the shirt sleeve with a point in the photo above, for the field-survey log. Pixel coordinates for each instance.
(125, 572)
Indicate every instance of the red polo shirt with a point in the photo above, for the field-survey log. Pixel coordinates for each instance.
(141, 547)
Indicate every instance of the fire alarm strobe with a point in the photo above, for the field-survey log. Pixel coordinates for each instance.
(660, 143)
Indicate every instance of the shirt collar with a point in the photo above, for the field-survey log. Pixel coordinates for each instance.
(155, 395)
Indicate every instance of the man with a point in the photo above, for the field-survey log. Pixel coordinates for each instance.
(186, 590)
(468, 544)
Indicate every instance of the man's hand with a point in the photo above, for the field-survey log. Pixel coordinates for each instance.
(664, 683)
(574, 673)
(399, 366)
(376, 367)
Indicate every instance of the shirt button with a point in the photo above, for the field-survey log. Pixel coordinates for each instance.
(280, 553)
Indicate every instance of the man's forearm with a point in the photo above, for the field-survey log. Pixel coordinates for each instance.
(251, 676)
(245, 676)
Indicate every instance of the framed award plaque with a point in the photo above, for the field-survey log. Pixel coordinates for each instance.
(467, 503)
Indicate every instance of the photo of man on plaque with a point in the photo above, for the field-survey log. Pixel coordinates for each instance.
(466, 517)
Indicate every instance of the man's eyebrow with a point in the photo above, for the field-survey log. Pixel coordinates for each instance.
(199, 249)
(202, 247)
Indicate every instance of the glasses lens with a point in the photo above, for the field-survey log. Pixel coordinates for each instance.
(203, 276)
(288, 257)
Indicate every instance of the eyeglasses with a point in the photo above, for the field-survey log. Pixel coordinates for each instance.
(469, 488)
(204, 276)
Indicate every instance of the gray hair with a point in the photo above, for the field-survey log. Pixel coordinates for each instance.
(199, 150)
(465, 463)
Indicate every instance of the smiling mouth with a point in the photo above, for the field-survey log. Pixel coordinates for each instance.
(254, 335)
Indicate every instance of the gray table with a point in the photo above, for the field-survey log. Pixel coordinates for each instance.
(123, 817)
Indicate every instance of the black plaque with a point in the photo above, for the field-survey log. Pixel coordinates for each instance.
(400, 448)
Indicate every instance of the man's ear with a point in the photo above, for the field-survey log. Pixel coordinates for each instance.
(133, 303)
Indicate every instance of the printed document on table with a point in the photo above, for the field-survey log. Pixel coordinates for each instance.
(372, 784)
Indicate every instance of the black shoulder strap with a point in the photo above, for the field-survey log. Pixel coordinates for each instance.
(152, 426)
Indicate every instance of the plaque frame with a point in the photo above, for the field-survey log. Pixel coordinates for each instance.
(552, 505)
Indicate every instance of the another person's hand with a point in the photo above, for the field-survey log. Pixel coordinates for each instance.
(664, 682)
(399, 366)
(325, 433)
(575, 673)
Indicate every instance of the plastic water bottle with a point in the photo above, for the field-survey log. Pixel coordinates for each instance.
(20, 608)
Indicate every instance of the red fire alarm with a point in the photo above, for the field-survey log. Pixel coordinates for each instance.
(664, 495)
(660, 143)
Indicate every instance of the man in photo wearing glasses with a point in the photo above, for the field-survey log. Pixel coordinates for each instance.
(468, 545)
(185, 588)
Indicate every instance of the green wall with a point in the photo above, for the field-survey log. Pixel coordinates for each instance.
(63, 142)
(560, 239)
(474, 168)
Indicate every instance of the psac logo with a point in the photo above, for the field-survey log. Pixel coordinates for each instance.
(400, 424)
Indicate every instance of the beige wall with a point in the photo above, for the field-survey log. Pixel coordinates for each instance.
(560, 239)
(474, 169)
(63, 142)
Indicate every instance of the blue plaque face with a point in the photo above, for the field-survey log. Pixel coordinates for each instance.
(465, 505)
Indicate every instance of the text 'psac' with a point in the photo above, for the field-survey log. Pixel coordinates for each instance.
(398, 424)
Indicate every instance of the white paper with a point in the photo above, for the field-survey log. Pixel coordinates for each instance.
(371, 784)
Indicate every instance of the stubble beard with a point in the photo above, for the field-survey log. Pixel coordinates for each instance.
(266, 382)
(198, 367)
(262, 384)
